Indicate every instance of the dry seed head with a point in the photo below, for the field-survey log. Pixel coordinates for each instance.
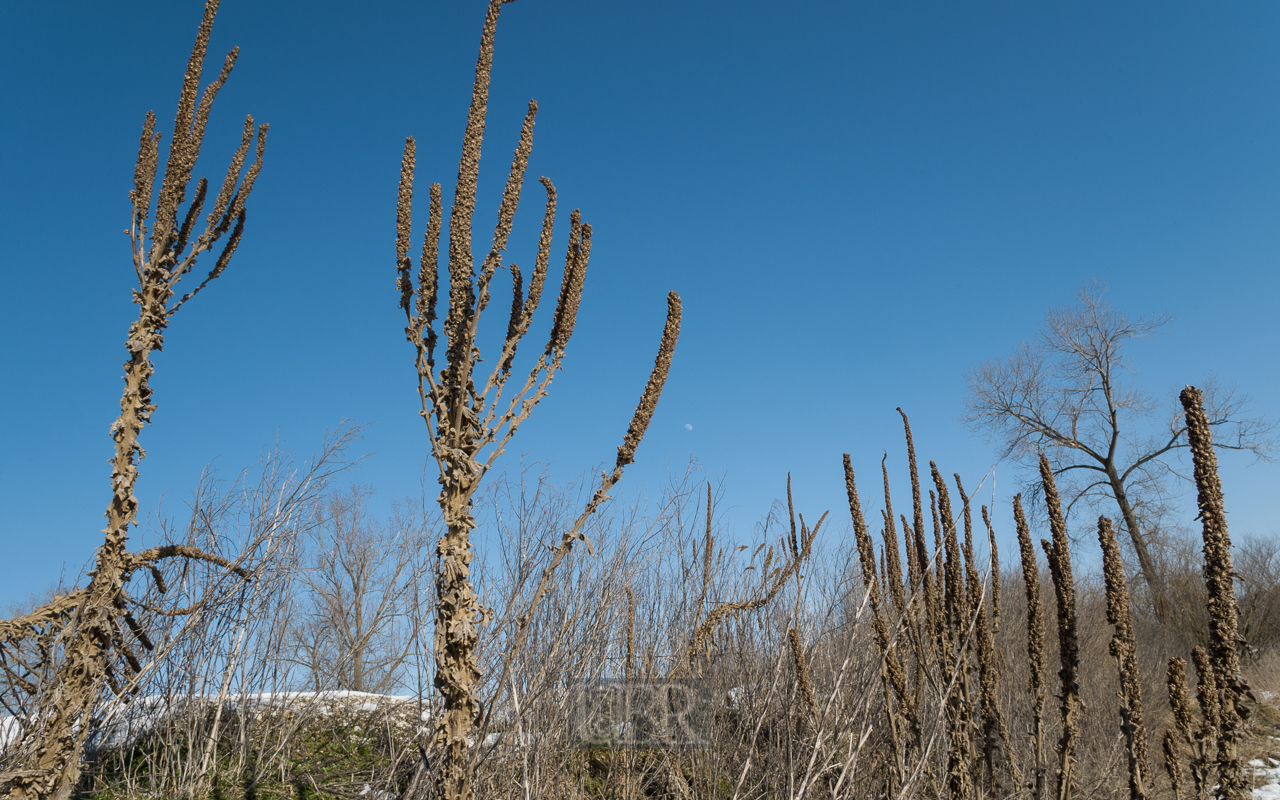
(1178, 700)
(893, 564)
(229, 249)
(570, 286)
(192, 212)
(1035, 611)
(544, 250)
(995, 572)
(511, 195)
(1172, 763)
(802, 671)
(1059, 555)
(517, 303)
(428, 270)
(404, 224)
(653, 389)
(536, 282)
(1057, 523)
(707, 548)
(866, 549)
(144, 172)
(180, 162)
(909, 546)
(1224, 636)
(217, 219)
(957, 596)
(917, 507)
(251, 175)
(1123, 650)
(461, 289)
(1207, 690)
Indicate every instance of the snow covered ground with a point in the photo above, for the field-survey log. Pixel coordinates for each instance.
(128, 721)
(1266, 777)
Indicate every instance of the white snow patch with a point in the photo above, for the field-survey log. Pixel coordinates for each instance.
(1268, 779)
(128, 721)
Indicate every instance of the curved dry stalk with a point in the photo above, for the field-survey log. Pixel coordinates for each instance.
(796, 550)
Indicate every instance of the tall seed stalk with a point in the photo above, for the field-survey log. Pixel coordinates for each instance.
(1124, 651)
(1202, 742)
(893, 677)
(1059, 554)
(1223, 613)
(469, 424)
(1035, 642)
(92, 629)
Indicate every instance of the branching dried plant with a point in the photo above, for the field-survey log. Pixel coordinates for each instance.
(758, 593)
(91, 631)
(469, 426)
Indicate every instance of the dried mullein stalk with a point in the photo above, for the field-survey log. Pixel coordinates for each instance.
(802, 672)
(995, 733)
(81, 635)
(1035, 642)
(1224, 636)
(995, 572)
(892, 560)
(469, 420)
(1205, 745)
(954, 653)
(1059, 555)
(1172, 763)
(892, 675)
(1201, 749)
(1123, 650)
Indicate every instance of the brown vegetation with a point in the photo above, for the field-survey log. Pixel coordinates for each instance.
(262, 657)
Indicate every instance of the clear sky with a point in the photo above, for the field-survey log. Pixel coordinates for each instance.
(855, 200)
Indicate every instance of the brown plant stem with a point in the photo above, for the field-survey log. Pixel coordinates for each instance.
(1224, 634)
(1059, 555)
(1124, 651)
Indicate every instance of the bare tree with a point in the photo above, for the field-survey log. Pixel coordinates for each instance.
(470, 420)
(88, 637)
(362, 574)
(1068, 393)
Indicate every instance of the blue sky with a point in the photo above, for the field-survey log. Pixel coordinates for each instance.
(855, 200)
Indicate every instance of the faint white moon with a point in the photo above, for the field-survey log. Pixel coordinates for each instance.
(688, 427)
